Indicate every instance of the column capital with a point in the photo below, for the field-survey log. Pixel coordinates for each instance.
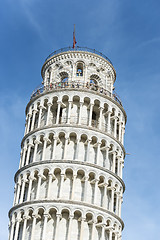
(40, 175)
(42, 107)
(47, 139)
(52, 175)
(24, 180)
(91, 104)
(26, 217)
(35, 110)
(46, 215)
(18, 219)
(59, 215)
(36, 215)
(37, 141)
(49, 104)
(30, 144)
(71, 216)
(101, 108)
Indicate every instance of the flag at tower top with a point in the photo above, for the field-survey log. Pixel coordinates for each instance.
(74, 38)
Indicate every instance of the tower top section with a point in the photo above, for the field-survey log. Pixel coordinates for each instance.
(79, 65)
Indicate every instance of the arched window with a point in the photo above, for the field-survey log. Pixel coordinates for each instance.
(94, 79)
(64, 77)
(79, 69)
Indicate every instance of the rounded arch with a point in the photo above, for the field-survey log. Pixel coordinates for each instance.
(64, 76)
(95, 79)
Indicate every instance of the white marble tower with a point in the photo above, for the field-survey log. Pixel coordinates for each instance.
(69, 184)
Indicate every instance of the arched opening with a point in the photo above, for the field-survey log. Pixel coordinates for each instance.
(79, 69)
(64, 77)
(94, 80)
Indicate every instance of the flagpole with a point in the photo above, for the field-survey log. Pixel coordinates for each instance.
(74, 38)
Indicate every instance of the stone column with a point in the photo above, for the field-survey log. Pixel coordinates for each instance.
(109, 123)
(25, 131)
(74, 71)
(49, 185)
(12, 230)
(40, 114)
(95, 191)
(18, 192)
(115, 127)
(48, 113)
(29, 120)
(44, 226)
(82, 229)
(123, 131)
(15, 190)
(77, 148)
(116, 236)
(80, 112)
(22, 190)
(107, 157)
(120, 130)
(29, 188)
(24, 227)
(70, 227)
(112, 199)
(61, 185)
(23, 157)
(73, 186)
(33, 119)
(114, 160)
(120, 204)
(57, 226)
(44, 148)
(51, 76)
(103, 233)
(88, 150)
(105, 196)
(110, 234)
(17, 229)
(118, 165)
(100, 118)
(117, 194)
(20, 162)
(28, 152)
(85, 189)
(65, 147)
(33, 227)
(36, 142)
(54, 147)
(98, 152)
(121, 167)
(38, 186)
(69, 112)
(93, 231)
(58, 112)
(90, 114)
(85, 73)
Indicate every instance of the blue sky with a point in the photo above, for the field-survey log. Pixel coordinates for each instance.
(128, 32)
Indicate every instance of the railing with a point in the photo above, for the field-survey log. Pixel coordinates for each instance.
(77, 48)
(73, 86)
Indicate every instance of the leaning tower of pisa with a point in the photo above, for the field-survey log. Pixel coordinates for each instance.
(69, 184)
